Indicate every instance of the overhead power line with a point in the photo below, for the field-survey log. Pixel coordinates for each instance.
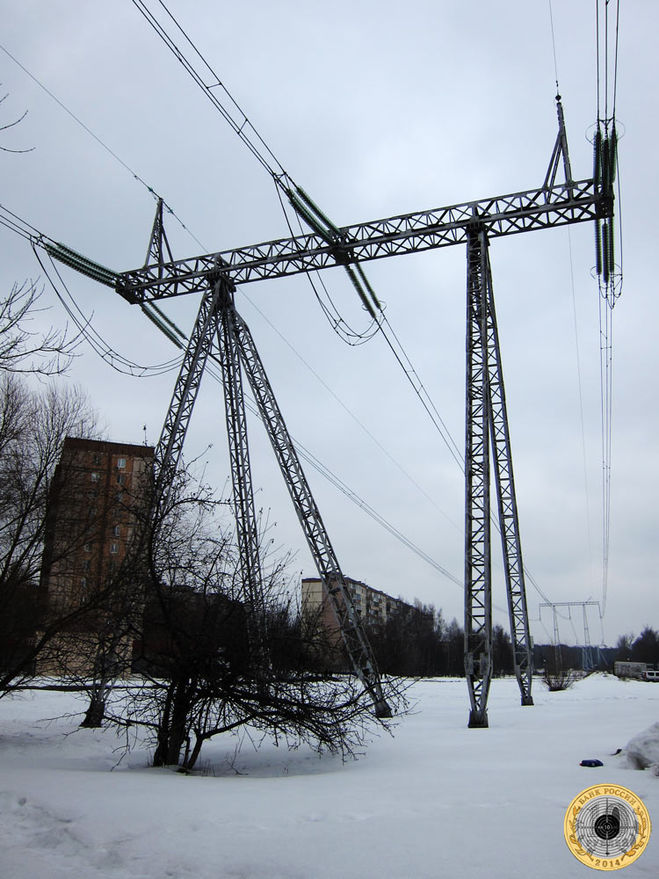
(98, 140)
(117, 362)
(305, 208)
(216, 91)
(609, 270)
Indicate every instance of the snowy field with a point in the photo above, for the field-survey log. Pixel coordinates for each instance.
(436, 800)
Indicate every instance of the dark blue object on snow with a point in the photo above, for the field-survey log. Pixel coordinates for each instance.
(591, 763)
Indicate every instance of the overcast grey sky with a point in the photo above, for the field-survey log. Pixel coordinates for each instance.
(375, 108)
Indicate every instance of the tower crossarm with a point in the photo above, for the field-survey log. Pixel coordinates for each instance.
(538, 208)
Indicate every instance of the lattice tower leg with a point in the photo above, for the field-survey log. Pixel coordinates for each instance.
(354, 638)
(588, 663)
(170, 445)
(478, 600)
(243, 494)
(507, 502)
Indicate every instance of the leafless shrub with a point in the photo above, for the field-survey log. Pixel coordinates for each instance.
(557, 676)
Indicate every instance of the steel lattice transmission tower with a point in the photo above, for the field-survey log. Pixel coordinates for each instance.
(487, 435)
(218, 275)
(589, 656)
(219, 327)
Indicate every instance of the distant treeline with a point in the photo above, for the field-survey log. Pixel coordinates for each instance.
(417, 641)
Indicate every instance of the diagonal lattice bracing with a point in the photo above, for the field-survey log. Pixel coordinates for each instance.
(327, 564)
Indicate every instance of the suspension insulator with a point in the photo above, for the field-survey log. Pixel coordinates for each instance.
(370, 289)
(360, 291)
(606, 168)
(82, 265)
(605, 252)
(161, 326)
(161, 314)
(311, 214)
(598, 247)
(597, 159)
(309, 218)
(613, 154)
(610, 247)
(85, 261)
(317, 211)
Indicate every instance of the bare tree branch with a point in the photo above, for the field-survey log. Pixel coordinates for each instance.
(27, 351)
(11, 125)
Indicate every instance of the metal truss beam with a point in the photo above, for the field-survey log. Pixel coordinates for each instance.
(538, 208)
(355, 640)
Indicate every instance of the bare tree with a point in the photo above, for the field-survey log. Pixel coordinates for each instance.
(645, 648)
(624, 647)
(23, 349)
(202, 673)
(33, 425)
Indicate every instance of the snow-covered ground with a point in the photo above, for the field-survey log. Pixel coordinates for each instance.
(436, 800)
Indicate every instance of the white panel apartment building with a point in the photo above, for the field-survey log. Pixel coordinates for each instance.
(373, 606)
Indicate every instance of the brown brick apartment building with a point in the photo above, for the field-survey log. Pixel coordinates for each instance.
(98, 494)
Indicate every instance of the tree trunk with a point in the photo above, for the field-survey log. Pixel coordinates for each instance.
(95, 712)
(178, 730)
(160, 754)
(173, 731)
(96, 708)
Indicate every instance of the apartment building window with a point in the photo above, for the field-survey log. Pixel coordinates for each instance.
(88, 547)
(114, 547)
(83, 582)
(95, 477)
(116, 531)
(121, 478)
(121, 463)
